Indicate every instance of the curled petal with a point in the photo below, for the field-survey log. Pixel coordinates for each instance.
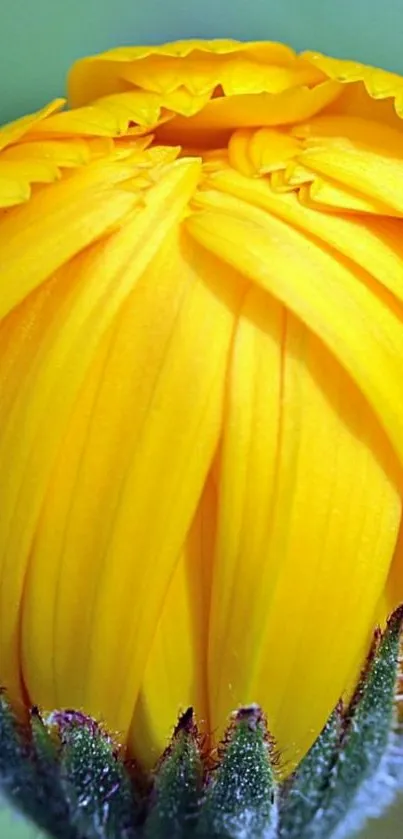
(320, 288)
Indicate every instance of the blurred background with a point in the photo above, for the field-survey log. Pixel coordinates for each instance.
(39, 41)
(12, 826)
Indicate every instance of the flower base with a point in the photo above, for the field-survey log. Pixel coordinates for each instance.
(66, 774)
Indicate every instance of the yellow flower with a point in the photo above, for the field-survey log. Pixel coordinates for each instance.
(201, 393)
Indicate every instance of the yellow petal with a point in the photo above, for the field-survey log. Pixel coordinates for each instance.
(346, 131)
(327, 195)
(148, 432)
(108, 116)
(308, 514)
(37, 238)
(262, 151)
(127, 480)
(379, 84)
(200, 66)
(175, 676)
(32, 171)
(238, 152)
(28, 163)
(362, 154)
(374, 244)
(247, 84)
(13, 131)
(368, 172)
(270, 150)
(227, 113)
(275, 152)
(13, 191)
(92, 288)
(355, 318)
(201, 74)
(246, 493)
(73, 152)
(295, 175)
(393, 594)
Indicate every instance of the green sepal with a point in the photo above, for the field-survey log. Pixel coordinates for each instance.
(350, 789)
(241, 797)
(23, 777)
(177, 789)
(101, 798)
(365, 741)
(16, 771)
(302, 794)
(65, 773)
(46, 748)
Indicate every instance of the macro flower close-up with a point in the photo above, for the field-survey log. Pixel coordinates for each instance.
(201, 435)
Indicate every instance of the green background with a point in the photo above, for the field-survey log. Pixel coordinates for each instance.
(39, 39)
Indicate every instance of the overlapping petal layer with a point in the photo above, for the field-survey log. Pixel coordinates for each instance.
(290, 488)
(175, 676)
(201, 359)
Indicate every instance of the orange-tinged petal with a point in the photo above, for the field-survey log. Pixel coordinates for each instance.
(270, 150)
(227, 113)
(392, 596)
(201, 74)
(262, 151)
(238, 67)
(175, 677)
(238, 152)
(297, 547)
(247, 84)
(181, 101)
(359, 322)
